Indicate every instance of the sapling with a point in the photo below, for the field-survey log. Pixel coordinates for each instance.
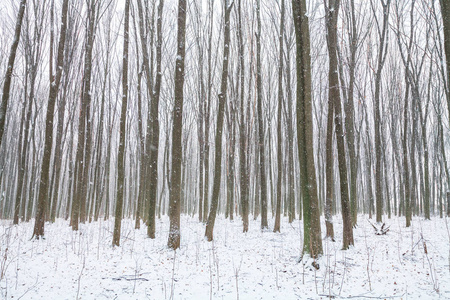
(4, 254)
(343, 274)
(210, 275)
(236, 275)
(448, 233)
(172, 288)
(216, 262)
(79, 278)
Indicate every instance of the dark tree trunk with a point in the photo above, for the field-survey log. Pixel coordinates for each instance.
(312, 241)
(177, 129)
(332, 12)
(82, 160)
(276, 227)
(382, 54)
(260, 138)
(10, 68)
(54, 87)
(219, 127)
(122, 130)
(243, 146)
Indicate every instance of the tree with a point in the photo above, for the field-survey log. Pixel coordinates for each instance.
(276, 227)
(243, 142)
(219, 126)
(122, 130)
(354, 42)
(48, 141)
(331, 17)
(312, 240)
(445, 10)
(10, 68)
(82, 162)
(207, 113)
(154, 147)
(382, 54)
(177, 128)
(260, 142)
(33, 51)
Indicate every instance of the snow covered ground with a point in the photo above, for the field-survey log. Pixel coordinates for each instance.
(256, 265)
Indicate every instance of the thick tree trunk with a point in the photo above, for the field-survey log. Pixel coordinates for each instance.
(312, 242)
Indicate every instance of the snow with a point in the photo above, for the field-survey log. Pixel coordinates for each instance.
(255, 265)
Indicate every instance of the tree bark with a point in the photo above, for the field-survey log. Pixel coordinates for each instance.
(332, 12)
(10, 68)
(312, 241)
(177, 129)
(260, 139)
(121, 180)
(53, 93)
(219, 126)
(276, 227)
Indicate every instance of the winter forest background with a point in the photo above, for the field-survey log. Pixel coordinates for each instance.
(278, 115)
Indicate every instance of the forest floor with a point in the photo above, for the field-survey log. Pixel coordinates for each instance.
(406, 263)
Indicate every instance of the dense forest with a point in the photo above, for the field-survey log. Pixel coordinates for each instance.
(263, 109)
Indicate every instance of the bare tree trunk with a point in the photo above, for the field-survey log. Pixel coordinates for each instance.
(219, 127)
(332, 12)
(260, 139)
(82, 162)
(350, 113)
(54, 87)
(312, 241)
(10, 68)
(154, 147)
(329, 172)
(382, 54)
(445, 10)
(207, 112)
(123, 120)
(32, 57)
(177, 129)
(201, 111)
(276, 227)
(243, 142)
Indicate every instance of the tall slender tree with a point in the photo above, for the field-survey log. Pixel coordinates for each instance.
(219, 127)
(10, 67)
(276, 227)
(445, 10)
(82, 160)
(331, 17)
(260, 116)
(48, 141)
(243, 142)
(381, 59)
(121, 180)
(177, 129)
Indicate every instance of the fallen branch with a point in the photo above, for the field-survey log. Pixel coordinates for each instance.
(382, 230)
